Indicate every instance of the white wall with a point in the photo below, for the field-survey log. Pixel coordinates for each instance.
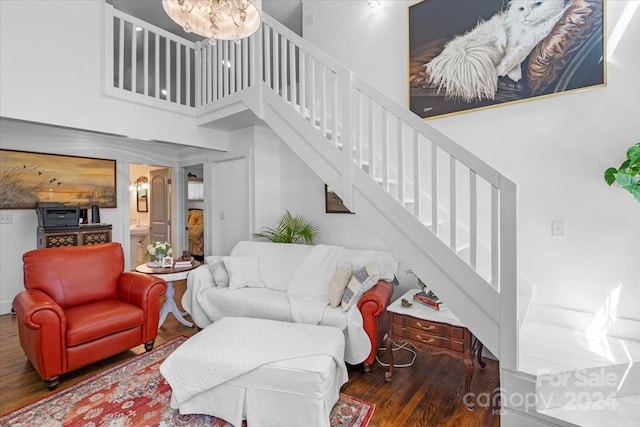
(44, 79)
(555, 149)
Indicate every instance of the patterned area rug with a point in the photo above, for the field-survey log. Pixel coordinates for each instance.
(134, 393)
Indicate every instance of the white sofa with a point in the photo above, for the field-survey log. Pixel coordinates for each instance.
(289, 282)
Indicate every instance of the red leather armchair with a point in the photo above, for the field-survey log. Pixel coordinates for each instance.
(79, 307)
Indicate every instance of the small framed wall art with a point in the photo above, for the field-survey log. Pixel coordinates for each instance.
(333, 203)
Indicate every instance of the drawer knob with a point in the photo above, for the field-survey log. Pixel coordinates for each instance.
(426, 328)
(429, 341)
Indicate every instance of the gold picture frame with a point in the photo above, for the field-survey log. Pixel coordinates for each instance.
(569, 58)
(28, 177)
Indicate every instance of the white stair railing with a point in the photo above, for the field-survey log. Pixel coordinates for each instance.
(466, 210)
(225, 68)
(148, 65)
(420, 167)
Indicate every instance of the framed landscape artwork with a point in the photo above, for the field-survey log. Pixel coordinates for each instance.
(470, 54)
(27, 178)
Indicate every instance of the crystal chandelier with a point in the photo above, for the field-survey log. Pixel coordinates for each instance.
(215, 19)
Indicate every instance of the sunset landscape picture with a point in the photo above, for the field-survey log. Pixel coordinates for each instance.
(27, 178)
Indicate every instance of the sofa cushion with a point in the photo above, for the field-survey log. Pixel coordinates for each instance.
(361, 281)
(278, 261)
(260, 303)
(338, 283)
(92, 321)
(244, 272)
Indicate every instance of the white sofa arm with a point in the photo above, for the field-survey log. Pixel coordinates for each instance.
(199, 280)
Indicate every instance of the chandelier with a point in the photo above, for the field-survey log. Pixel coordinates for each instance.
(215, 19)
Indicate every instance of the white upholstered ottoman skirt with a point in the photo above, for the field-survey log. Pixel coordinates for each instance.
(268, 372)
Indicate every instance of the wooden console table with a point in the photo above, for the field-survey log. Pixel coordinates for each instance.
(81, 235)
(434, 332)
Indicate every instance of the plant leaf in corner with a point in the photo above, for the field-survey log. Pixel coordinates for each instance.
(625, 181)
(610, 175)
(633, 154)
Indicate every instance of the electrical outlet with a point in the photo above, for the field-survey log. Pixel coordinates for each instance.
(6, 218)
(557, 228)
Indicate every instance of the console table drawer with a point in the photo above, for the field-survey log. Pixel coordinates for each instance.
(420, 337)
(433, 328)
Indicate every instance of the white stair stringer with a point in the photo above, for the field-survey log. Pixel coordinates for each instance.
(476, 303)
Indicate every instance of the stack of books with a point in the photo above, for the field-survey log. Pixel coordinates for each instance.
(428, 299)
(181, 263)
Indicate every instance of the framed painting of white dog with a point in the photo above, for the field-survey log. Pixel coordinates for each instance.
(470, 54)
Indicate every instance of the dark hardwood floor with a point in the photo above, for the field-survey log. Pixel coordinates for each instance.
(428, 394)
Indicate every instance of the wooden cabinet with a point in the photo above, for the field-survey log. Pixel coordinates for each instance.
(432, 332)
(88, 234)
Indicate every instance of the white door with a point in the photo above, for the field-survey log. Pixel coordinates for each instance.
(160, 205)
(233, 202)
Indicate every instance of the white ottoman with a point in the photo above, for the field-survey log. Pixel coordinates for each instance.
(268, 372)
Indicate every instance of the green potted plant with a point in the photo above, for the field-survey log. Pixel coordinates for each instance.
(627, 175)
(291, 229)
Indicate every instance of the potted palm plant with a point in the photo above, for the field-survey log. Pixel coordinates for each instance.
(627, 175)
(291, 229)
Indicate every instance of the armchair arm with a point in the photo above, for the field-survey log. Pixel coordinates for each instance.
(373, 305)
(42, 325)
(144, 291)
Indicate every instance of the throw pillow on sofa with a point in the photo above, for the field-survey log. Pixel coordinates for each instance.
(218, 271)
(338, 283)
(244, 272)
(361, 281)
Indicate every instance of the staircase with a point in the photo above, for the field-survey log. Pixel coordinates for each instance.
(448, 215)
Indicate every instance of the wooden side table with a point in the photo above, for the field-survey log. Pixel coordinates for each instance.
(434, 332)
(169, 275)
